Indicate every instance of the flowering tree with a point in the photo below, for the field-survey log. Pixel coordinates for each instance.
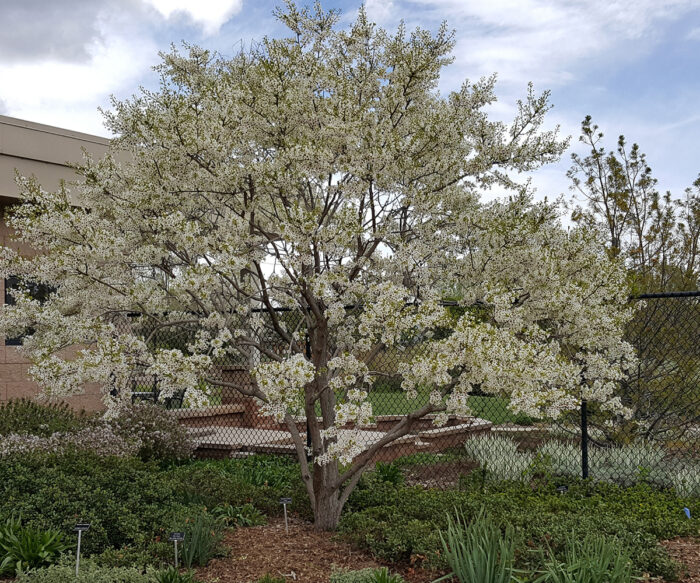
(318, 172)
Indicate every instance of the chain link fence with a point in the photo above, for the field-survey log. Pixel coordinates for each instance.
(659, 444)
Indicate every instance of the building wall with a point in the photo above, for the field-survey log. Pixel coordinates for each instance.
(41, 151)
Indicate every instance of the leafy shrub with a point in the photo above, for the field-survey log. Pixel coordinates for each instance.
(626, 464)
(23, 416)
(589, 560)
(477, 551)
(127, 501)
(246, 515)
(560, 458)
(629, 463)
(259, 480)
(388, 472)
(382, 575)
(265, 470)
(359, 576)
(202, 540)
(99, 439)
(23, 548)
(401, 523)
(160, 435)
(131, 556)
(686, 481)
(89, 573)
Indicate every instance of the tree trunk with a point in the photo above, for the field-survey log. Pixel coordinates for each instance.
(328, 509)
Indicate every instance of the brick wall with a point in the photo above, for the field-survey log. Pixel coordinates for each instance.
(14, 380)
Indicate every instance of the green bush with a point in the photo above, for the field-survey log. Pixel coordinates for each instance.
(132, 556)
(172, 575)
(89, 573)
(388, 472)
(127, 501)
(258, 480)
(359, 576)
(131, 503)
(28, 417)
(400, 523)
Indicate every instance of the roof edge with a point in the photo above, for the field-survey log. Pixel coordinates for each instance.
(47, 129)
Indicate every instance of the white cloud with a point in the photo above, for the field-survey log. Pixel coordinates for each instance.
(380, 11)
(694, 34)
(542, 40)
(209, 14)
(67, 94)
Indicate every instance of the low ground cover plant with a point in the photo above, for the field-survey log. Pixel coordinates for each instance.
(381, 575)
(402, 524)
(92, 572)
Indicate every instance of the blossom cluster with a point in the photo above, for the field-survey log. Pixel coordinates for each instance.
(282, 384)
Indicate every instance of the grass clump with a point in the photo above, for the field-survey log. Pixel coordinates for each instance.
(590, 559)
(477, 551)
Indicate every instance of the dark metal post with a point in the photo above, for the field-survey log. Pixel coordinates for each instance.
(584, 438)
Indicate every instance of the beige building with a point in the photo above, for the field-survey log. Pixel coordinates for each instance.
(42, 151)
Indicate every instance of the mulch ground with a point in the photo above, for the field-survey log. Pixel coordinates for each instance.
(687, 552)
(303, 555)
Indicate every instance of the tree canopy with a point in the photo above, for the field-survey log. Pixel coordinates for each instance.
(656, 235)
(325, 174)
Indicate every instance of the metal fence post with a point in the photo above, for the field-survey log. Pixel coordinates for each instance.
(584, 438)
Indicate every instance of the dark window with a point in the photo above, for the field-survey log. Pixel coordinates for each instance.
(38, 291)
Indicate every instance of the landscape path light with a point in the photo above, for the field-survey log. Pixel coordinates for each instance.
(284, 502)
(80, 528)
(176, 537)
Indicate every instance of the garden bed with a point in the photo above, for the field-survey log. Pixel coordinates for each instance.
(302, 555)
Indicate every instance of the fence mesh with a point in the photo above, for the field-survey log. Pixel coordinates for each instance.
(659, 444)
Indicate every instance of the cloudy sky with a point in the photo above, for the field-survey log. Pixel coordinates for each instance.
(634, 65)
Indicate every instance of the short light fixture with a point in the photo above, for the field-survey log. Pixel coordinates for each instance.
(80, 528)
